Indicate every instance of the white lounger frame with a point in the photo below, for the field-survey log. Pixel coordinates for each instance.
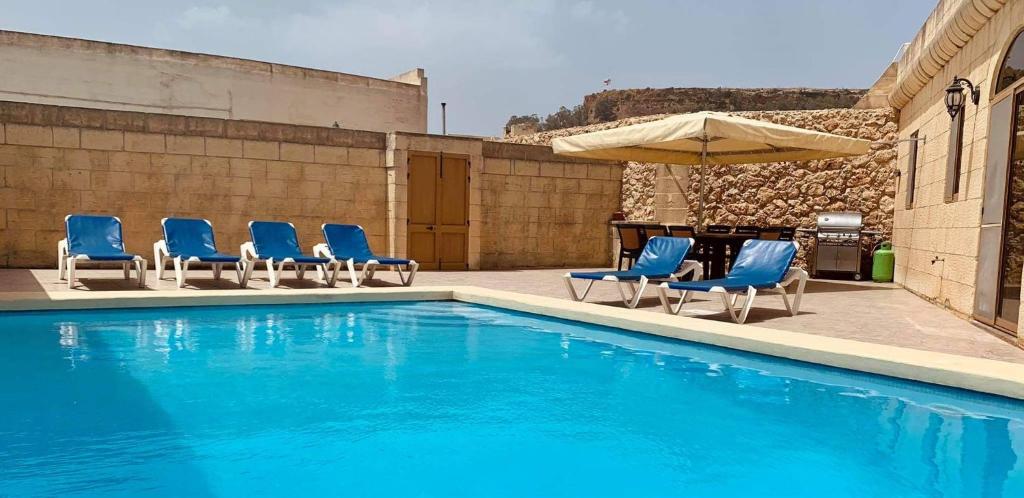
(161, 256)
(633, 298)
(324, 272)
(66, 263)
(368, 268)
(729, 298)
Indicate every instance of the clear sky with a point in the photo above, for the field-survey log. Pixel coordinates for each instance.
(490, 59)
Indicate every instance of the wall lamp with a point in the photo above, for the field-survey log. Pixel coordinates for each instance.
(955, 95)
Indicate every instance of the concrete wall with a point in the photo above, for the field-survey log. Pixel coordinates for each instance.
(934, 228)
(528, 208)
(72, 72)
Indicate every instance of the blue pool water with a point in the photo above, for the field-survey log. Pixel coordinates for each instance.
(449, 399)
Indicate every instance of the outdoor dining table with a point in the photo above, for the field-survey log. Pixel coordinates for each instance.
(717, 250)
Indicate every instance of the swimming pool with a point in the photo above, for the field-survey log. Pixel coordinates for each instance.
(452, 399)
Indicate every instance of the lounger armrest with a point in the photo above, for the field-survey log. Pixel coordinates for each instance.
(160, 249)
(795, 273)
(691, 266)
(322, 250)
(248, 251)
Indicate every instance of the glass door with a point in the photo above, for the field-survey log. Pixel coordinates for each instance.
(1012, 254)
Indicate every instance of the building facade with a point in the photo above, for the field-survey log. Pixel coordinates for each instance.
(959, 213)
(71, 72)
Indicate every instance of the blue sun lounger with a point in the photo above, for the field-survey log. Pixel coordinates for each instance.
(276, 243)
(96, 239)
(188, 240)
(761, 265)
(347, 244)
(663, 258)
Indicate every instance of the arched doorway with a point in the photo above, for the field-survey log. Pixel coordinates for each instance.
(1001, 245)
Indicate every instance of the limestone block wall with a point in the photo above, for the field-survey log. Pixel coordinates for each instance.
(932, 229)
(543, 210)
(143, 167)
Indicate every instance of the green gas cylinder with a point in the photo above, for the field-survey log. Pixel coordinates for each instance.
(883, 263)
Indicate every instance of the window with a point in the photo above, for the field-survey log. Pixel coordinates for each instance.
(912, 171)
(954, 155)
(1012, 68)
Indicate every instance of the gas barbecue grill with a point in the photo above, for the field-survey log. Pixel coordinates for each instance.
(839, 243)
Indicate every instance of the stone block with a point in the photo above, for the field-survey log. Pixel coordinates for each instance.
(111, 181)
(71, 179)
(330, 155)
(297, 152)
(261, 150)
(304, 189)
(144, 142)
(86, 159)
(129, 161)
(102, 139)
(28, 178)
(181, 144)
(552, 169)
(497, 166)
(248, 168)
(223, 147)
(68, 138)
(19, 134)
(152, 182)
(525, 168)
(365, 157)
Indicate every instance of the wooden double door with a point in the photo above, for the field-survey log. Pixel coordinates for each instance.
(438, 197)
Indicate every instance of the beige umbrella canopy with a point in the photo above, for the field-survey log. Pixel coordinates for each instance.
(709, 138)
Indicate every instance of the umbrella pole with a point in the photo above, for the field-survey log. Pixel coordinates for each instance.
(703, 163)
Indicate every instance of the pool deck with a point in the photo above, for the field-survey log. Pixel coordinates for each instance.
(874, 313)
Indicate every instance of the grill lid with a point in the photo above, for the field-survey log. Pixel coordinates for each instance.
(842, 220)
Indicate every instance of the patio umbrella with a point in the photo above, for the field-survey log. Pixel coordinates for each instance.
(708, 138)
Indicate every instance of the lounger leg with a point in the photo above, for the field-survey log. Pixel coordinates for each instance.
(217, 268)
(352, 272)
(141, 265)
(280, 272)
(300, 271)
(367, 273)
(413, 266)
(247, 267)
(801, 283)
(62, 258)
(728, 302)
(180, 267)
(71, 273)
(751, 294)
(127, 269)
(333, 268)
(666, 302)
(572, 290)
(637, 293)
(270, 273)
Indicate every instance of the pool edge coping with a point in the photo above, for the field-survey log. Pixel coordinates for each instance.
(975, 374)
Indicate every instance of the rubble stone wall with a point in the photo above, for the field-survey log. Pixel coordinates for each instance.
(787, 194)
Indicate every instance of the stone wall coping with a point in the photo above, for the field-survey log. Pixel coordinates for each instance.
(172, 124)
(506, 150)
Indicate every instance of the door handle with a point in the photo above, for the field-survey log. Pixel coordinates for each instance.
(431, 228)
